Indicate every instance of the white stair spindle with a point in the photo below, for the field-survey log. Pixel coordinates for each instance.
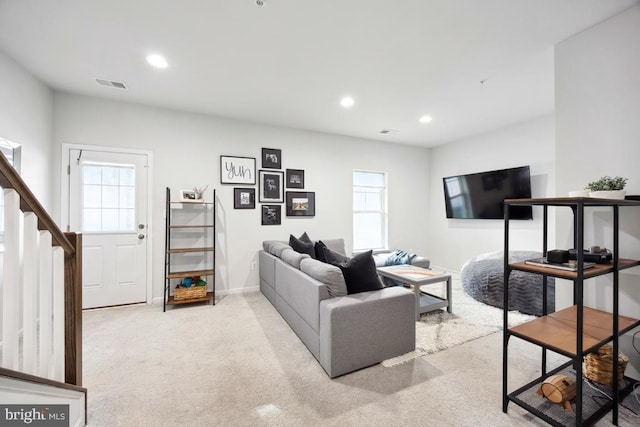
(45, 283)
(58, 314)
(30, 293)
(11, 277)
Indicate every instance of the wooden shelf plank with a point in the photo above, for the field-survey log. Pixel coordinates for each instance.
(572, 201)
(209, 297)
(557, 331)
(183, 274)
(596, 270)
(188, 250)
(191, 226)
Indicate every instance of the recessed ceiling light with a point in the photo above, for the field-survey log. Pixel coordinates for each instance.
(157, 61)
(347, 102)
(425, 119)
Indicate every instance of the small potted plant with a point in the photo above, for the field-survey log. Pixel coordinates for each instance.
(607, 188)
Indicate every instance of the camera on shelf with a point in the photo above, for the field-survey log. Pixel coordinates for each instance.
(594, 254)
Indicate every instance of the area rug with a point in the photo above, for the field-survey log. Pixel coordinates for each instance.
(470, 320)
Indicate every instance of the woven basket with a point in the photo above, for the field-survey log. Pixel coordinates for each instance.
(598, 366)
(189, 293)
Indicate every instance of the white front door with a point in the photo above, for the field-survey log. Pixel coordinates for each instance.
(108, 204)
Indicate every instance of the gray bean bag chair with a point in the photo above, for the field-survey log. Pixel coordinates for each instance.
(483, 276)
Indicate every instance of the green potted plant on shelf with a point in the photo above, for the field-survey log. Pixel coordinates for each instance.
(608, 188)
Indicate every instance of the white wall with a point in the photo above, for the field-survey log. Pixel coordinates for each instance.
(454, 241)
(598, 133)
(186, 149)
(26, 118)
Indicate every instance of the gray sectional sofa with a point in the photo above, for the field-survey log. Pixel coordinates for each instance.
(343, 332)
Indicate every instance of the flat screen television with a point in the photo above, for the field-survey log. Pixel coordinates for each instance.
(481, 195)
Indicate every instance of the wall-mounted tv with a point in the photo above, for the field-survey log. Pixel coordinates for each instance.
(481, 195)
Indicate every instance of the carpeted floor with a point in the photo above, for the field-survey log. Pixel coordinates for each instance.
(239, 364)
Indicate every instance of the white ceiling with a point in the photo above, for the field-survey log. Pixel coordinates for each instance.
(289, 62)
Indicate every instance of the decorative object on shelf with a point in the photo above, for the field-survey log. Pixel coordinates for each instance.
(598, 366)
(271, 215)
(271, 188)
(579, 193)
(199, 191)
(189, 196)
(244, 198)
(237, 170)
(301, 203)
(608, 188)
(559, 389)
(271, 158)
(295, 178)
(187, 282)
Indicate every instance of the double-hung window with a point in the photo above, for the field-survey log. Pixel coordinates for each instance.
(369, 210)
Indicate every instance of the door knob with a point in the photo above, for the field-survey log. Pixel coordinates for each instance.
(140, 236)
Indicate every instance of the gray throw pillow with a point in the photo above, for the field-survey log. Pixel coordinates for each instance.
(328, 274)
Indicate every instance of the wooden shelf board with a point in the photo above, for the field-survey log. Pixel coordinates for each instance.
(557, 331)
(597, 270)
(191, 226)
(209, 297)
(194, 203)
(188, 250)
(183, 274)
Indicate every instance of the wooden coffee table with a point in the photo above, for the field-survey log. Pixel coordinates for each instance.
(417, 277)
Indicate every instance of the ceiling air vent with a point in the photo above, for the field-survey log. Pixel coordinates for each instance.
(109, 83)
(386, 131)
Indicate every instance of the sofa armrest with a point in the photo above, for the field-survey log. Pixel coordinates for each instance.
(360, 330)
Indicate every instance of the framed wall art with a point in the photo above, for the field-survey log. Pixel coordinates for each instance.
(271, 186)
(301, 203)
(295, 178)
(237, 170)
(271, 215)
(244, 198)
(271, 158)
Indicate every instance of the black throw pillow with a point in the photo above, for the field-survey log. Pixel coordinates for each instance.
(360, 273)
(319, 248)
(333, 257)
(303, 245)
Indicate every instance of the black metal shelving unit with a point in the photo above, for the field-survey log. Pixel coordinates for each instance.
(591, 328)
(204, 228)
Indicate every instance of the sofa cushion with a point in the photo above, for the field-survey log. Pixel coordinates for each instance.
(303, 245)
(275, 247)
(360, 273)
(328, 274)
(292, 257)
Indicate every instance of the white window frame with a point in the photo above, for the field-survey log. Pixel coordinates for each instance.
(383, 212)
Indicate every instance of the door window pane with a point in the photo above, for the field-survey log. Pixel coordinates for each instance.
(108, 197)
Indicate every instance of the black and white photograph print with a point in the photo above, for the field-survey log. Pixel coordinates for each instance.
(271, 186)
(244, 198)
(271, 215)
(295, 178)
(271, 158)
(301, 203)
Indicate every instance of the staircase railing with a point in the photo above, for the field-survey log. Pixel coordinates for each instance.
(41, 281)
